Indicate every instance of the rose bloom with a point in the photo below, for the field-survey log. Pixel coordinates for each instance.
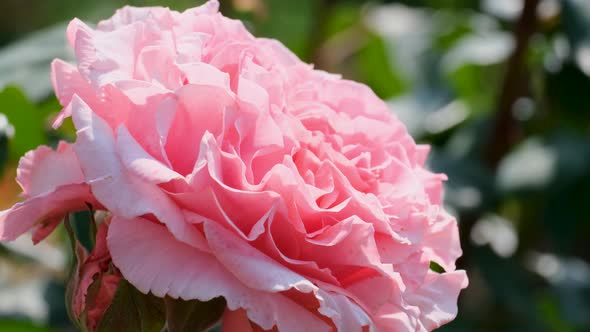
(230, 168)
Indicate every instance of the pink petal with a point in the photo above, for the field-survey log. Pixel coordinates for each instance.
(204, 74)
(44, 208)
(156, 64)
(104, 57)
(346, 315)
(441, 241)
(141, 93)
(153, 260)
(253, 268)
(203, 109)
(120, 191)
(394, 318)
(128, 15)
(54, 185)
(437, 298)
(42, 170)
(139, 162)
(67, 82)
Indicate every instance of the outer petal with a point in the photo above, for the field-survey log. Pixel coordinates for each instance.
(437, 298)
(105, 57)
(346, 315)
(128, 15)
(68, 82)
(393, 318)
(43, 170)
(153, 260)
(53, 184)
(44, 210)
(442, 241)
(120, 191)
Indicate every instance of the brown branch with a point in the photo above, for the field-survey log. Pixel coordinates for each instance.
(317, 34)
(506, 130)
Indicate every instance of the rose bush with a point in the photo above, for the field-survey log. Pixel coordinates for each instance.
(230, 168)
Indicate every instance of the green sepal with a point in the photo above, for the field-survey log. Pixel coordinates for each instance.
(79, 254)
(193, 315)
(133, 311)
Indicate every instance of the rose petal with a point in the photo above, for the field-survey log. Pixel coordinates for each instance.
(121, 192)
(54, 185)
(246, 263)
(48, 207)
(153, 260)
(42, 170)
(139, 162)
(441, 241)
(437, 298)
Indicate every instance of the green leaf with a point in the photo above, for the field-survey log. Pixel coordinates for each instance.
(290, 22)
(21, 326)
(379, 72)
(193, 315)
(479, 94)
(434, 266)
(28, 122)
(133, 311)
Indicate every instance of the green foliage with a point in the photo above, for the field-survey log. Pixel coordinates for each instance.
(374, 69)
(79, 254)
(289, 21)
(21, 326)
(192, 315)
(133, 311)
(27, 120)
(441, 66)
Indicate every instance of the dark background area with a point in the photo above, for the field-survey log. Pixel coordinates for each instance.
(499, 88)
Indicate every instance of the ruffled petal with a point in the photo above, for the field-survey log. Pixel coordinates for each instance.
(441, 241)
(437, 298)
(44, 209)
(68, 82)
(53, 185)
(120, 191)
(154, 261)
(246, 262)
(42, 170)
(140, 163)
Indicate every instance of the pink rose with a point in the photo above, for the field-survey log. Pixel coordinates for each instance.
(230, 168)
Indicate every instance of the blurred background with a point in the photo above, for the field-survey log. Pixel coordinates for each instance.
(499, 88)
